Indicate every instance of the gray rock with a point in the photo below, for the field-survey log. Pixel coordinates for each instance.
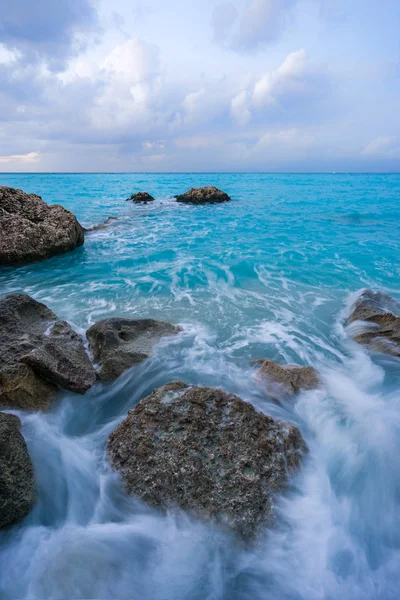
(30, 230)
(141, 197)
(118, 343)
(379, 329)
(286, 380)
(39, 352)
(103, 225)
(208, 452)
(17, 487)
(203, 195)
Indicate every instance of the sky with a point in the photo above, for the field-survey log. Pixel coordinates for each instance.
(199, 85)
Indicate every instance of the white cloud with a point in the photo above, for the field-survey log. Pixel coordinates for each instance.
(7, 56)
(383, 146)
(239, 109)
(31, 157)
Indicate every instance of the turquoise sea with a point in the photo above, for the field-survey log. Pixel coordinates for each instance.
(270, 275)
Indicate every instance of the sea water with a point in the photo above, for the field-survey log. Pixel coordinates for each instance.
(270, 275)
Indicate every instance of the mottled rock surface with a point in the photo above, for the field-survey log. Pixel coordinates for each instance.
(286, 380)
(380, 327)
(38, 353)
(17, 487)
(141, 197)
(203, 195)
(205, 451)
(118, 343)
(30, 230)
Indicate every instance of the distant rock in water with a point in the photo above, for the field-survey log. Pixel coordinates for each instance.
(103, 225)
(17, 486)
(208, 452)
(203, 195)
(141, 197)
(30, 230)
(38, 353)
(288, 379)
(379, 329)
(117, 344)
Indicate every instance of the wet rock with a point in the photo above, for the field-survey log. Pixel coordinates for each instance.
(203, 195)
(103, 225)
(38, 353)
(141, 197)
(118, 343)
(17, 487)
(30, 230)
(379, 327)
(206, 451)
(286, 380)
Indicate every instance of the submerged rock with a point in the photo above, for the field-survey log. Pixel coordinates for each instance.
(203, 195)
(118, 343)
(30, 230)
(379, 329)
(38, 353)
(17, 487)
(287, 380)
(141, 197)
(103, 225)
(206, 451)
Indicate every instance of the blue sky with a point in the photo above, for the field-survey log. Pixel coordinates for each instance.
(184, 85)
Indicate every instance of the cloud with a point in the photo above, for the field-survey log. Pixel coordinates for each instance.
(31, 157)
(261, 22)
(239, 109)
(384, 147)
(45, 29)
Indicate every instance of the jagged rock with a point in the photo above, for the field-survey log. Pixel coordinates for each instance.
(286, 380)
(30, 230)
(141, 197)
(203, 195)
(17, 487)
(38, 352)
(118, 343)
(206, 451)
(379, 327)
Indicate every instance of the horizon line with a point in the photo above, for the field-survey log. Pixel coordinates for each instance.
(199, 173)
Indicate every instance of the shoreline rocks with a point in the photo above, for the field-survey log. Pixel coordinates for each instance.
(140, 198)
(379, 327)
(208, 452)
(117, 343)
(39, 353)
(17, 486)
(204, 195)
(288, 379)
(31, 230)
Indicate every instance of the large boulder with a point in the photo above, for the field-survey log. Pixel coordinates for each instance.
(17, 487)
(374, 322)
(206, 451)
(38, 353)
(141, 197)
(117, 344)
(30, 230)
(286, 380)
(203, 195)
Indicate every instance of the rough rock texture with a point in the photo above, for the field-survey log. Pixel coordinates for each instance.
(288, 379)
(381, 328)
(38, 352)
(118, 343)
(30, 230)
(203, 195)
(141, 197)
(206, 451)
(17, 487)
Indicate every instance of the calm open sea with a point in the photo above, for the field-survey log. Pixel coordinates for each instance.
(270, 275)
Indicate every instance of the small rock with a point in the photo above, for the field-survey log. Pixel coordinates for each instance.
(141, 197)
(118, 343)
(203, 195)
(30, 230)
(379, 327)
(103, 225)
(286, 380)
(208, 452)
(39, 352)
(17, 487)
